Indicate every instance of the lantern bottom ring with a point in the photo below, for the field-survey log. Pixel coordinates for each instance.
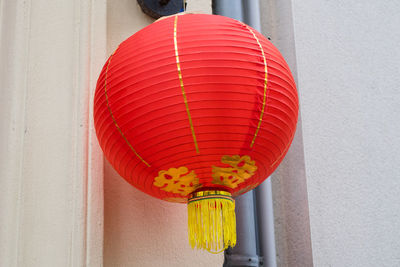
(211, 220)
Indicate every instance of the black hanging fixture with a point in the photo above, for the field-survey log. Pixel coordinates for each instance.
(160, 8)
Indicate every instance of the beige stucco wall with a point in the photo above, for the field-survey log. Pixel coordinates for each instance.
(348, 74)
(140, 230)
(50, 204)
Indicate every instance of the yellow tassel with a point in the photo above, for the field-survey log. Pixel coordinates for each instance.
(212, 220)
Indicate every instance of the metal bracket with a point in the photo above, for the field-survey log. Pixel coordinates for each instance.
(160, 8)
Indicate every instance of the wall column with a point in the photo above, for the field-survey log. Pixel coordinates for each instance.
(51, 168)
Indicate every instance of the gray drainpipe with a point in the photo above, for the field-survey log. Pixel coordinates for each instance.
(254, 210)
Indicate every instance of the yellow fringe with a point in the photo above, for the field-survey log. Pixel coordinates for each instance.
(212, 221)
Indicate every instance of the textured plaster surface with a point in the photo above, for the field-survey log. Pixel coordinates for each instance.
(348, 74)
(141, 230)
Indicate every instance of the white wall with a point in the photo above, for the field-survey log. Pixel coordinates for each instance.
(51, 197)
(141, 230)
(348, 75)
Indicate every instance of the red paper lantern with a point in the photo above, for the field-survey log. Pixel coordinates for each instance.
(196, 108)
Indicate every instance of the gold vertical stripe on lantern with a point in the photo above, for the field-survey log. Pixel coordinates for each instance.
(265, 85)
(112, 115)
(178, 65)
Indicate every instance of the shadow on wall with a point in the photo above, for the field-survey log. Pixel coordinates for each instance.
(140, 230)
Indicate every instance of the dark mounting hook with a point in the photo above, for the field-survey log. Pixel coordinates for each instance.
(163, 2)
(160, 8)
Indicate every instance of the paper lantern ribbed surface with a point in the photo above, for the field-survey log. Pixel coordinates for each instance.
(196, 108)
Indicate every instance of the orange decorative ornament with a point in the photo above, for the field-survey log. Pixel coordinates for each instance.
(196, 109)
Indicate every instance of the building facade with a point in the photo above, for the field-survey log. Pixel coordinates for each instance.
(336, 195)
